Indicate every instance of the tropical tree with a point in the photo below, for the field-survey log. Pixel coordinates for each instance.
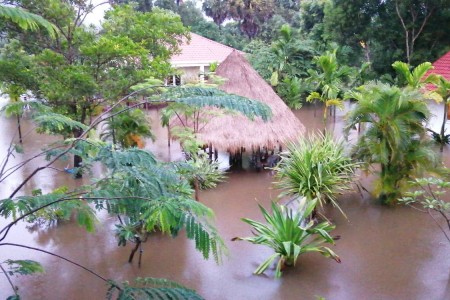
(395, 137)
(290, 233)
(251, 14)
(144, 193)
(316, 168)
(15, 78)
(218, 10)
(328, 81)
(82, 70)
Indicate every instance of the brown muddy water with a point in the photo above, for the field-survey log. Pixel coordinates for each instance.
(387, 253)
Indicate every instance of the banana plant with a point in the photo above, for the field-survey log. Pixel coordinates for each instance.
(290, 233)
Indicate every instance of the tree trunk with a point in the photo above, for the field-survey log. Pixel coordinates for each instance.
(77, 160)
(138, 243)
(196, 189)
(19, 128)
(444, 121)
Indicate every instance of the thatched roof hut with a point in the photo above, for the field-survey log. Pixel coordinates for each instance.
(231, 132)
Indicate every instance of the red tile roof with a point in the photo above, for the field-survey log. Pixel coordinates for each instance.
(441, 67)
(201, 50)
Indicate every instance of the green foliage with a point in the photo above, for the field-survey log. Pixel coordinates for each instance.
(293, 90)
(329, 81)
(27, 20)
(49, 208)
(210, 97)
(394, 136)
(154, 194)
(375, 24)
(127, 128)
(23, 267)
(429, 194)
(290, 233)
(151, 288)
(316, 168)
(204, 171)
(53, 123)
(414, 78)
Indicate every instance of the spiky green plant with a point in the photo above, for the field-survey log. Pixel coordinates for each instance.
(290, 233)
(316, 167)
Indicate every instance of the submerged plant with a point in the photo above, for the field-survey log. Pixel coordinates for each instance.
(428, 195)
(316, 168)
(290, 233)
(394, 138)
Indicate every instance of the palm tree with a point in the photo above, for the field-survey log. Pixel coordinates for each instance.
(442, 94)
(395, 136)
(26, 20)
(412, 78)
(328, 81)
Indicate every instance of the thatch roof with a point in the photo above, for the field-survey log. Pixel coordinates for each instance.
(231, 132)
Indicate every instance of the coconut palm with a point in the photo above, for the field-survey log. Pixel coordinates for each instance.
(394, 138)
(316, 168)
(290, 233)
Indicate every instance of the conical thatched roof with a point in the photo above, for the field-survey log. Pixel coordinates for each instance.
(231, 132)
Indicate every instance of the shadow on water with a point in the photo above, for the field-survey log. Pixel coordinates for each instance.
(386, 252)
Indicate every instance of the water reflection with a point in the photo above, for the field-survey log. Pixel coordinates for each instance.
(387, 253)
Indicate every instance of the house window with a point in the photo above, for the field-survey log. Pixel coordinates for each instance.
(173, 80)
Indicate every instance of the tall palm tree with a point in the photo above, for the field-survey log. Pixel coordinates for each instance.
(328, 81)
(395, 136)
(26, 20)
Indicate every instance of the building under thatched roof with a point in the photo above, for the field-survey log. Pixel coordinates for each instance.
(231, 132)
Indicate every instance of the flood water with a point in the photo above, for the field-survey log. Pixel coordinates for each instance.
(386, 252)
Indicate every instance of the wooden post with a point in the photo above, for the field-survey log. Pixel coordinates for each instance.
(210, 151)
(216, 154)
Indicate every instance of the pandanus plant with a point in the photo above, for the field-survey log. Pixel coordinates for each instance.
(290, 233)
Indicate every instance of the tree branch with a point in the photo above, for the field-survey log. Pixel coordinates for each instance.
(58, 256)
(9, 279)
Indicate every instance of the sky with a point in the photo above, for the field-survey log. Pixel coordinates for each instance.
(97, 15)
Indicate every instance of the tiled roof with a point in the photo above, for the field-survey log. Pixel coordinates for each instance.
(441, 66)
(201, 50)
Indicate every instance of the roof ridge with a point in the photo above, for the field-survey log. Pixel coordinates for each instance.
(205, 38)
